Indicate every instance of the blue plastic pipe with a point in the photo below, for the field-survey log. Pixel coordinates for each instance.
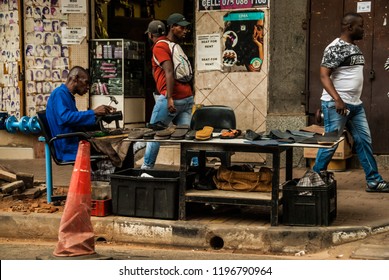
(49, 178)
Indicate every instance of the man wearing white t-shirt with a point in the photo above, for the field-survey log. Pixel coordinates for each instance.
(341, 74)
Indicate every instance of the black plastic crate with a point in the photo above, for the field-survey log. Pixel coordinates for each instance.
(136, 196)
(309, 206)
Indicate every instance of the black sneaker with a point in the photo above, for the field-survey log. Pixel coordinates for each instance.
(380, 187)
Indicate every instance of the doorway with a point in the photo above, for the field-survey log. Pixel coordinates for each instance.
(324, 28)
(129, 20)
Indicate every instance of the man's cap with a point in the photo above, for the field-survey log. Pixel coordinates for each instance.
(178, 19)
(156, 27)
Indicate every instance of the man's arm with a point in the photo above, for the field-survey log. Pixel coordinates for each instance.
(167, 66)
(71, 118)
(325, 74)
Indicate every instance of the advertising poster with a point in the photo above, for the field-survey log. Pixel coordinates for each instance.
(243, 41)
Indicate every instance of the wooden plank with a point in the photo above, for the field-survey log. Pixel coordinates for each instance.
(7, 176)
(8, 188)
(27, 178)
(231, 194)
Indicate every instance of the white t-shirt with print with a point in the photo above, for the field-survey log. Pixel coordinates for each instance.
(347, 62)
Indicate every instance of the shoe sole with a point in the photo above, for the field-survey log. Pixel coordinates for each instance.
(377, 191)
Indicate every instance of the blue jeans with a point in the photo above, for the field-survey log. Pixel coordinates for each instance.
(182, 116)
(356, 124)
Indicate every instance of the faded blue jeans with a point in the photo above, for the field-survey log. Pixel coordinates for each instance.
(182, 116)
(356, 124)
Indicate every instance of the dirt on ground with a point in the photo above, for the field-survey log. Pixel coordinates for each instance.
(31, 205)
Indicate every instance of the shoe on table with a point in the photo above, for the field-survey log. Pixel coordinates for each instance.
(204, 134)
(380, 187)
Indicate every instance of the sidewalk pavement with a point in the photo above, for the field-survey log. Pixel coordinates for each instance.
(359, 215)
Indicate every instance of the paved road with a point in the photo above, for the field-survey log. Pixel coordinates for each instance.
(16, 250)
(374, 247)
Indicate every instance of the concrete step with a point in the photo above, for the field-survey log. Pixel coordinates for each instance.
(16, 153)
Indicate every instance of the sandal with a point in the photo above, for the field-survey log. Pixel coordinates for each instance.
(165, 133)
(180, 132)
(230, 133)
(205, 133)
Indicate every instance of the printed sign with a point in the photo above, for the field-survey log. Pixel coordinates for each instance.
(73, 35)
(208, 52)
(216, 5)
(364, 7)
(73, 6)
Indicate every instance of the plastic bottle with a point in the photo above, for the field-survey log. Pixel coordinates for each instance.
(99, 50)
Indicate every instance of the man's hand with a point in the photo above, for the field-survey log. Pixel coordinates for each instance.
(340, 107)
(103, 110)
(170, 105)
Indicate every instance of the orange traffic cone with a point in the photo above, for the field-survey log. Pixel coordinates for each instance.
(76, 237)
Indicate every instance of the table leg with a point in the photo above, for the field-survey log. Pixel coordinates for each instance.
(275, 189)
(182, 184)
(289, 164)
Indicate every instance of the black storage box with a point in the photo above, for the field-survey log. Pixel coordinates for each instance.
(308, 206)
(149, 197)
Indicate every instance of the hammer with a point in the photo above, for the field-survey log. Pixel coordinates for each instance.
(112, 99)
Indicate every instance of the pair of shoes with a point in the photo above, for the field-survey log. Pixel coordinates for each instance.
(137, 133)
(180, 132)
(252, 135)
(165, 133)
(149, 135)
(380, 187)
(230, 133)
(204, 134)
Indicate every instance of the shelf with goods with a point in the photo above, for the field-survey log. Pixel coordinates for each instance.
(117, 69)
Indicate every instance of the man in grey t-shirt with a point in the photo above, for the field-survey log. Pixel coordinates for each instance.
(341, 74)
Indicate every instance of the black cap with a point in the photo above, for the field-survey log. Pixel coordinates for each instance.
(156, 27)
(178, 19)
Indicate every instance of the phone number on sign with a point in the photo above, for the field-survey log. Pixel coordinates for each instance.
(214, 3)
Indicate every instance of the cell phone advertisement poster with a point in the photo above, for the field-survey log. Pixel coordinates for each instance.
(243, 44)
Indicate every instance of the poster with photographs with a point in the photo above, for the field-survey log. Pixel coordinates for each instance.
(47, 60)
(9, 57)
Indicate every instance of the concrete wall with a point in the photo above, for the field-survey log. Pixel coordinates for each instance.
(245, 92)
(287, 67)
(288, 41)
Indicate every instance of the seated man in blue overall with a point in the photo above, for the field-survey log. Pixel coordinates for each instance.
(63, 116)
